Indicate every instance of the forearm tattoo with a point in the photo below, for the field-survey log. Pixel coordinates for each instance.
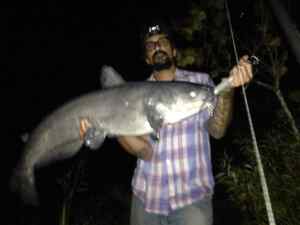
(219, 122)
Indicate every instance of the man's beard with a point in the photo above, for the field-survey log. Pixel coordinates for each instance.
(161, 61)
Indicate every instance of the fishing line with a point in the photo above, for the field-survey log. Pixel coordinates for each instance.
(262, 176)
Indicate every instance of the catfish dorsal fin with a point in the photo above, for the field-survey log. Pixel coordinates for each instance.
(109, 77)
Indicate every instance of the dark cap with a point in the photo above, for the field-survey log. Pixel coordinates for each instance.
(157, 26)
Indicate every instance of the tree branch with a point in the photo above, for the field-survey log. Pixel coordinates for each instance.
(265, 85)
(287, 111)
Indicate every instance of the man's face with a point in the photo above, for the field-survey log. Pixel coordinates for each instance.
(160, 53)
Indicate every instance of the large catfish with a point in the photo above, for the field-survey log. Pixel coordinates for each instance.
(133, 108)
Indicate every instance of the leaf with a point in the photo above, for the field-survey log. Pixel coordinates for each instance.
(186, 58)
(275, 42)
(187, 32)
(219, 4)
(295, 96)
(283, 70)
(197, 20)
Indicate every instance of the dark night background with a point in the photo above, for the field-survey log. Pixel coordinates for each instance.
(51, 52)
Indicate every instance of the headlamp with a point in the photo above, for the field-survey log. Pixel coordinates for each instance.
(154, 30)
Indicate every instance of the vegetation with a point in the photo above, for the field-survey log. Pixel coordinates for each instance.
(278, 139)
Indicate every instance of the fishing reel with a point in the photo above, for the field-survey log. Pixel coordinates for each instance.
(253, 60)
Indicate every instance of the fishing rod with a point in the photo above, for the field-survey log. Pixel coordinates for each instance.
(261, 172)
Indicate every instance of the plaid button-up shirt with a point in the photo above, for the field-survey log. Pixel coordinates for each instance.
(180, 171)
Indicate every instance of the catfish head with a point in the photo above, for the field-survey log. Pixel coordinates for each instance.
(179, 100)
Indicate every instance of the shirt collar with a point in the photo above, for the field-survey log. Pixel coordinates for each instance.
(177, 75)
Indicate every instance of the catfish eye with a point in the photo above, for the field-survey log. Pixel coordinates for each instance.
(193, 94)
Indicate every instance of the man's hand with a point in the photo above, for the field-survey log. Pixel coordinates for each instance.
(241, 73)
(137, 146)
(84, 126)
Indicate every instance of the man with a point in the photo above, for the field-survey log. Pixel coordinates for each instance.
(173, 181)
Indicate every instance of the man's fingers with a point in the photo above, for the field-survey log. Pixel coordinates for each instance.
(81, 129)
(244, 58)
(237, 75)
(241, 73)
(84, 125)
(247, 65)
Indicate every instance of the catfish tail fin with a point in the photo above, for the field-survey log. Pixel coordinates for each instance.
(23, 184)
